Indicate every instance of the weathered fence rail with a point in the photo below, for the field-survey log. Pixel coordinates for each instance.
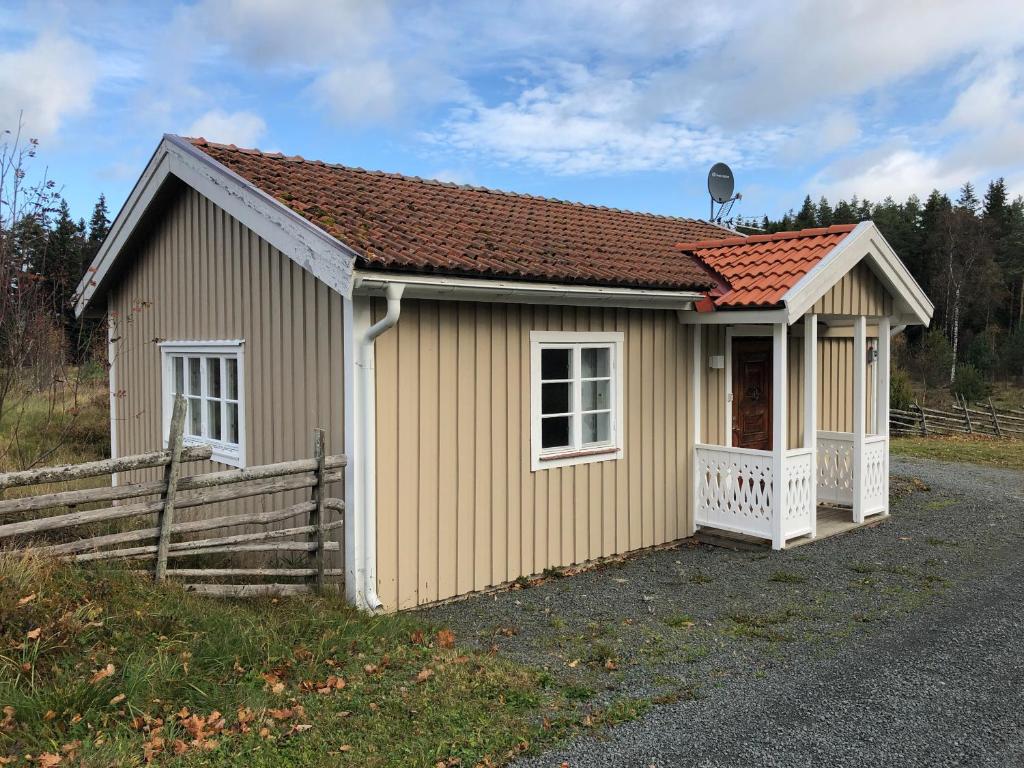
(53, 522)
(962, 418)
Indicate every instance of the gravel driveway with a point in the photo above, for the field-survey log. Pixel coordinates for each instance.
(900, 644)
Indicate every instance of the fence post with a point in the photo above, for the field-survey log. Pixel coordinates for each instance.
(967, 415)
(316, 515)
(995, 419)
(924, 422)
(175, 438)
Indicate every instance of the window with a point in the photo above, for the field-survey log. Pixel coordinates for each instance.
(576, 398)
(209, 375)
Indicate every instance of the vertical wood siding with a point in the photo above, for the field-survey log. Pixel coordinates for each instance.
(458, 508)
(859, 292)
(201, 275)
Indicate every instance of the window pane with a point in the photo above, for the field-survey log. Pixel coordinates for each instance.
(213, 374)
(596, 428)
(595, 362)
(232, 425)
(555, 364)
(596, 395)
(194, 376)
(179, 375)
(195, 417)
(213, 418)
(232, 376)
(555, 398)
(554, 432)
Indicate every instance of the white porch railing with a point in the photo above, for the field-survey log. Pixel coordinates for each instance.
(801, 508)
(835, 468)
(836, 476)
(735, 489)
(875, 485)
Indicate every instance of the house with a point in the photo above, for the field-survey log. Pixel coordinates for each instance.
(520, 383)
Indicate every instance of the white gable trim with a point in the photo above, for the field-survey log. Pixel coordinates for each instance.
(310, 247)
(865, 241)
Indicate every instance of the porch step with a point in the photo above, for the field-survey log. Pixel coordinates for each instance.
(739, 542)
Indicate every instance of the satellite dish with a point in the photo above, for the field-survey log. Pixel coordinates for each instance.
(721, 183)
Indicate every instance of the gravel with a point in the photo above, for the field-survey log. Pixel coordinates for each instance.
(898, 644)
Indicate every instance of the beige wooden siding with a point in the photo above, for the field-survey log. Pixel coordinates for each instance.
(859, 292)
(835, 385)
(458, 508)
(201, 275)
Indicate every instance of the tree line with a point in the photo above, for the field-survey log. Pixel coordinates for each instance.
(968, 256)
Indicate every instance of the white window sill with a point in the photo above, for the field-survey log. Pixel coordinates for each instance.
(571, 458)
(223, 453)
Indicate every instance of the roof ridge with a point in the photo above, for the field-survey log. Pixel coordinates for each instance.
(199, 141)
(834, 229)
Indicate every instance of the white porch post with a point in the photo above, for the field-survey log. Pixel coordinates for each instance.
(811, 409)
(882, 406)
(779, 416)
(860, 355)
(695, 376)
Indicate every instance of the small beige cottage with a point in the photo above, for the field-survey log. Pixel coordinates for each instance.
(520, 383)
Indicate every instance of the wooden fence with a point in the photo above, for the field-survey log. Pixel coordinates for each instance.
(962, 418)
(39, 529)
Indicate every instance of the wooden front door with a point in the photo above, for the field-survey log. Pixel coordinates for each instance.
(752, 393)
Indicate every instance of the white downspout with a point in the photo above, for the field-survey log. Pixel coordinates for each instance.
(366, 451)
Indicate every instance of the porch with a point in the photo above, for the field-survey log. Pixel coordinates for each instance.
(778, 494)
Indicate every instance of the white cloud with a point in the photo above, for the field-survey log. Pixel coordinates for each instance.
(244, 129)
(897, 172)
(362, 92)
(49, 81)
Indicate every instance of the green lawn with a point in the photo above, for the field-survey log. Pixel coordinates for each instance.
(973, 450)
(101, 668)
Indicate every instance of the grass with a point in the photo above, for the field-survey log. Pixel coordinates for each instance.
(986, 451)
(65, 424)
(104, 668)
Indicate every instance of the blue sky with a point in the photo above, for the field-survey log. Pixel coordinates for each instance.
(625, 104)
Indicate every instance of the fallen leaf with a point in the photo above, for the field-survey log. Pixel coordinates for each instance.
(574, 663)
(101, 674)
(7, 760)
(264, 733)
(71, 746)
(416, 638)
(445, 638)
(117, 699)
(33, 634)
(370, 669)
(610, 664)
(424, 675)
(345, 748)
(179, 747)
(7, 724)
(27, 599)
(50, 714)
(48, 760)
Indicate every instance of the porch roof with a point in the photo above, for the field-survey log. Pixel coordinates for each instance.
(759, 270)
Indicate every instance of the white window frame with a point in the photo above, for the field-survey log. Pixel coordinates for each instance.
(576, 454)
(224, 452)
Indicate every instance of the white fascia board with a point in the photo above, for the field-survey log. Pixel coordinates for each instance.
(734, 317)
(438, 287)
(325, 257)
(865, 241)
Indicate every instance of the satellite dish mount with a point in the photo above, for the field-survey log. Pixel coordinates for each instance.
(721, 185)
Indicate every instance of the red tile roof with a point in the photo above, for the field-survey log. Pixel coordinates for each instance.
(759, 269)
(404, 223)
